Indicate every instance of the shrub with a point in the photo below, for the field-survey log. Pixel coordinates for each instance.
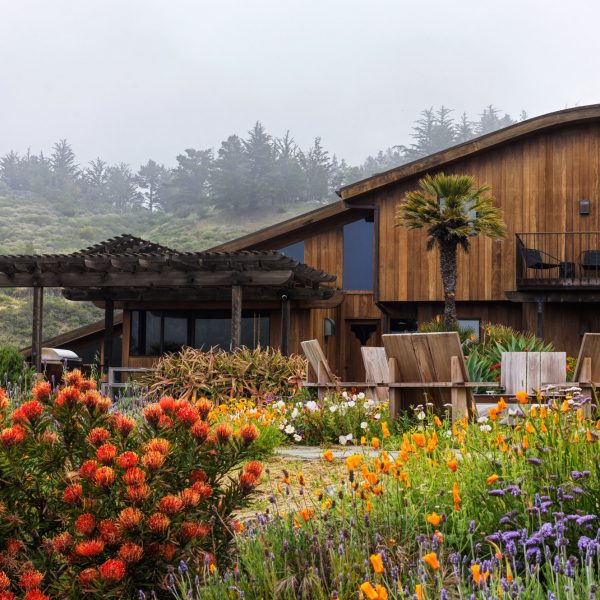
(221, 375)
(13, 368)
(101, 505)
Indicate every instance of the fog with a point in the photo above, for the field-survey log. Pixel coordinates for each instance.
(129, 79)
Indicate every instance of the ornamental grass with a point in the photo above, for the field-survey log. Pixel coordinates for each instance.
(504, 507)
(97, 504)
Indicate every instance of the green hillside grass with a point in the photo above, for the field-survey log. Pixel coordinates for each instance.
(30, 224)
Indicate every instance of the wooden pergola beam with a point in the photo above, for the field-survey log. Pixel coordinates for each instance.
(37, 328)
(236, 316)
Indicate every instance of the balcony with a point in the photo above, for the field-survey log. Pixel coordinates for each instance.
(547, 261)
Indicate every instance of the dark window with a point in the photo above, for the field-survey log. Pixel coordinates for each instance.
(358, 255)
(295, 251)
(403, 325)
(156, 332)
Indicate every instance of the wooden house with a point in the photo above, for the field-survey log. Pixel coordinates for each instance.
(545, 277)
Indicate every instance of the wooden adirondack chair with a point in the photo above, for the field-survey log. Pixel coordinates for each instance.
(319, 371)
(428, 367)
(376, 370)
(587, 369)
(530, 371)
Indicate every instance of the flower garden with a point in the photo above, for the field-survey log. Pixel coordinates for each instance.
(187, 499)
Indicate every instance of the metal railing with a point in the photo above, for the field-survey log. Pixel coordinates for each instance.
(558, 259)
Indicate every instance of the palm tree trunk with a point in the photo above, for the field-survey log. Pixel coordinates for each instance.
(448, 270)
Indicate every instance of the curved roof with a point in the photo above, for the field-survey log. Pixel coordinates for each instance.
(536, 125)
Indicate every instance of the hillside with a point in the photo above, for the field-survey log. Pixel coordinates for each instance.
(30, 224)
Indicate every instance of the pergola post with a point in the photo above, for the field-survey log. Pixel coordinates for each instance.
(285, 324)
(37, 329)
(539, 325)
(108, 335)
(236, 316)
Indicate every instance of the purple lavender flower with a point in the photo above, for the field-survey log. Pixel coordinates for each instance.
(496, 493)
(534, 461)
(586, 519)
(471, 527)
(569, 571)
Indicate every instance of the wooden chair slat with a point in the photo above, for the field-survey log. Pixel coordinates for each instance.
(376, 369)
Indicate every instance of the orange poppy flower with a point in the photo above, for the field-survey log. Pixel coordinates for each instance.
(432, 560)
(377, 562)
(419, 592)
(522, 397)
(452, 465)
(328, 455)
(434, 519)
(375, 442)
(492, 479)
(352, 462)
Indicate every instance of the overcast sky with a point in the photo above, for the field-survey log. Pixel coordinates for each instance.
(129, 80)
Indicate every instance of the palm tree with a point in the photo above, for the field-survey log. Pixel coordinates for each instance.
(454, 209)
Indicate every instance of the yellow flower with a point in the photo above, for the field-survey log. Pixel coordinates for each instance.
(328, 455)
(533, 412)
(432, 560)
(492, 479)
(565, 406)
(377, 562)
(522, 397)
(363, 440)
(434, 519)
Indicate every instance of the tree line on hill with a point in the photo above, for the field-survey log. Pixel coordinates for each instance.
(260, 171)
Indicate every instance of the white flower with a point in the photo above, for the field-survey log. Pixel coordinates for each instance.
(344, 439)
(485, 427)
(294, 413)
(333, 408)
(449, 433)
(351, 404)
(349, 437)
(281, 426)
(378, 416)
(363, 425)
(312, 406)
(290, 429)
(482, 419)
(280, 404)
(513, 411)
(421, 416)
(297, 438)
(344, 394)
(361, 395)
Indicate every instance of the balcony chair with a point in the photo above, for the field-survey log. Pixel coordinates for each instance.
(537, 259)
(589, 260)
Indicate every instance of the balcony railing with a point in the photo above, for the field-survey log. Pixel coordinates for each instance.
(558, 260)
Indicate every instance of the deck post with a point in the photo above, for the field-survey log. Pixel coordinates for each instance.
(458, 394)
(108, 335)
(285, 324)
(38, 325)
(236, 316)
(539, 326)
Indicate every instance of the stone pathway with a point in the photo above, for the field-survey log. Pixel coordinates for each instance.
(315, 452)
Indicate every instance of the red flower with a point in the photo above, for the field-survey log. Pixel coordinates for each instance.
(74, 378)
(199, 431)
(167, 551)
(247, 482)
(7, 596)
(89, 548)
(153, 460)
(130, 552)
(104, 477)
(36, 595)
(61, 542)
(134, 476)
(158, 445)
(167, 404)
(124, 425)
(170, 504)
(85, 523)
(223, 432)
(127, 460)
(189, 497)
(11, 436)
(158, 523)
(106, 453)
(30, 580)
(28, 412)
(14, 546)
(130, 518)
(109, 531)
(153, 413)
(103, 404)
(88, 469)
(4, 581)
(198, 475)
(203, 489)
(88, 576)
(88, 385)
(188, 415)
(190, 530)
(113, 570)
(91, 398)
(68, 396)
(138, 493)
(73, 493)
(254, 467)
(165, 421)
(204, 407)
(98, 436)
(41, 391)
(249, 433)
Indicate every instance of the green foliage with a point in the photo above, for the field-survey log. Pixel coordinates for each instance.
(436, 325)
(13, 369)
(221, 375)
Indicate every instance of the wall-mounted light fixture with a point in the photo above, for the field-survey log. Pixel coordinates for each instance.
(328, 327)
(584, 207)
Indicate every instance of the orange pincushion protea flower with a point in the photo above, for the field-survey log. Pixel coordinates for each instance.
(170, 504)
(11, 436)
(138, 493)
(106, 453)
(104, 477)
(204, 406)
(91, 398)
(74, 378)
(130, 518)
(200, 431)
(98, 436)
(134, 476)
(203, 489)
(34, 595)
(41, 391)
(153, 413)
(188, 415)
(14, 546)
(89, 548)
(167, 404)
(4, 581)
(88, 469)
(109, 532)
(249, 433)
(88, 385)
(124, 425)
(254, 467)
(158, 523)
(153, 460)
(198, 475)
(28, 412)
(189, 497)
(72, 493)
(30, 580)
(68, 396)
(167, 551)
(85, 523)
(130, 552)
(113, 570)
(61, 543)
(158, 445)
(88, 576)
(247, 482)
(190, 530)
(223, 432)
(127, 460)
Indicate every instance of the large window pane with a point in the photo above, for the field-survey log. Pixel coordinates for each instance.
(153, 318)
(175, 332)
(134, 341)
(255, 329)
(295, 251)
(358, 256)
(212, 330)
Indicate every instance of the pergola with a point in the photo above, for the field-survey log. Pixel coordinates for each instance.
(127, 268)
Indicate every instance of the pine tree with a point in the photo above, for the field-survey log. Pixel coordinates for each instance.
(229, 178)
(317, 168)
(260, 160)
(463, 130)
(187, 188)
(151, 178)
